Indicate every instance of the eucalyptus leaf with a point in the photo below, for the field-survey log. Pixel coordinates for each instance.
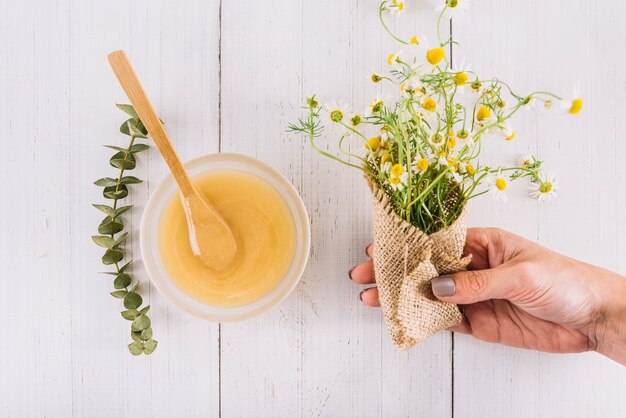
(123, 161)
(135, 348)
(115, 192)
(121, 210)
(145, 310)
(149, 346)
(103, 241)
(105, 209)
(136, 336)
(120, 294)
(124, 127)
(122, 281)
(120, 239)
(110, 226)
(134, 130)
(139, 148)
(125, 266)
(112, 256)
(116, 148)
(128, 109)
(142, 322)
(106, 182)
(132, 300)
(130, 180)
(142, 128)
(146, 334)
(130, 314)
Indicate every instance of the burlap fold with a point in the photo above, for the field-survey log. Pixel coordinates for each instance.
(405, 260)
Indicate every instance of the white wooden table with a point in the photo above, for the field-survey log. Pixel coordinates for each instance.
(229, 76)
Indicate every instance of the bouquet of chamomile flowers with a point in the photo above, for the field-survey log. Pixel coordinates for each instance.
(423, 166)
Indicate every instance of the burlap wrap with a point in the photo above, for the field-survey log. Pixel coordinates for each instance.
(405, 260)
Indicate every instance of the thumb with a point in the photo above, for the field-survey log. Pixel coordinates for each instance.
(475, 286)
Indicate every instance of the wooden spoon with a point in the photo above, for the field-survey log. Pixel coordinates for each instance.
(210, 237)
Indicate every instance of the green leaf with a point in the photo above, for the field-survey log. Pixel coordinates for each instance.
(115, 192)
(106, 182)
(128, 109)
(112, 256)
(136, 336)
(143, 129)
(135, 348)
(110, 226)
(149, 346)
(123, 161)
(145, 310)
(105, 209)
(125, 266)
(116, 148)
(130, 180)
(135, 131)
(130, 314)
(124, 127)
(120, 239)
(146, 334)
(103, 241)
(139, 148)
(120, 294)
(142, 322)
(121, 210)
(132, 300)
(122, 281)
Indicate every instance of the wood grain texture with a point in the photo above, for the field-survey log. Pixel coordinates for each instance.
(321, 353)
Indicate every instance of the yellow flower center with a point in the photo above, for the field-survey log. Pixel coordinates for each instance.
(545, 187)
(510, 137)
(392, 58)
(429, 104)
(501, 184)
(483, 113)
(385, 158)
(336, 115)
(414, 40)
(451, 143)
(462, 134)
(356, 119)
(376, 78)
(401, 6)
(397, 170)
(435, 55)
(460, 78)
(422, 164)
(453, 3)
(577, 105)
(470, 169)
(476, 85)
(373, 143)
(377, 106)
(394, 180)
(548, 104)
(437, 139)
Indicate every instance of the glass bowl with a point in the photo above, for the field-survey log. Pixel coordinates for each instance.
(150, 248)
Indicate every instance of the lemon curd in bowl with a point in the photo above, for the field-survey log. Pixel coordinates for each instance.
(270, 225)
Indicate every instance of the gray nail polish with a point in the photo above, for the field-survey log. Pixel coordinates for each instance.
(443, 286)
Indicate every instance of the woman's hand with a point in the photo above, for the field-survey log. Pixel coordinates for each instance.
(521, 294)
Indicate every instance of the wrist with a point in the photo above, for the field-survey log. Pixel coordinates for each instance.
(610, 329)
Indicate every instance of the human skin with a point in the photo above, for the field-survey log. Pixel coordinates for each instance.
(521, 294)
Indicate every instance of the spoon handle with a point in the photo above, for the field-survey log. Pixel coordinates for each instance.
(132, 87)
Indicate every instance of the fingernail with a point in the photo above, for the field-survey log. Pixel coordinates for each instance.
(361, 294)
(443, 286)
(350, 273)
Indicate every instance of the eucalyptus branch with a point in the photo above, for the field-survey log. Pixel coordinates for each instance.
(113, 235)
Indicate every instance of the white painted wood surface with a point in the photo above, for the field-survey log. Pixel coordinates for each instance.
(321, 353)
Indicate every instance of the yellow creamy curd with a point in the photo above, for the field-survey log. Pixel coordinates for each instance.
(263, 227)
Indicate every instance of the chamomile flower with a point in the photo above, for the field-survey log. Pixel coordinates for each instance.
(385, 162)
(396, 7)
(336, 111)
(573, 105)
(429, 104)
(497, 187)
(397, 177)
(453, 8)
(432, 55)
(526, 160)
(504, 130)
(437, 139)
(462, 74)
(421, 165)
(375, 77)
(394, 58)
(544, 188)
(454, 176)
(483, 114)
(376, 105)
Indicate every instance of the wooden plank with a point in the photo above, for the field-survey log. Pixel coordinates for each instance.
(63, 348)
(321, 353)
(552, 45)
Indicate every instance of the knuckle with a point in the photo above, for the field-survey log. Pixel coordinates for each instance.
(476, 282)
